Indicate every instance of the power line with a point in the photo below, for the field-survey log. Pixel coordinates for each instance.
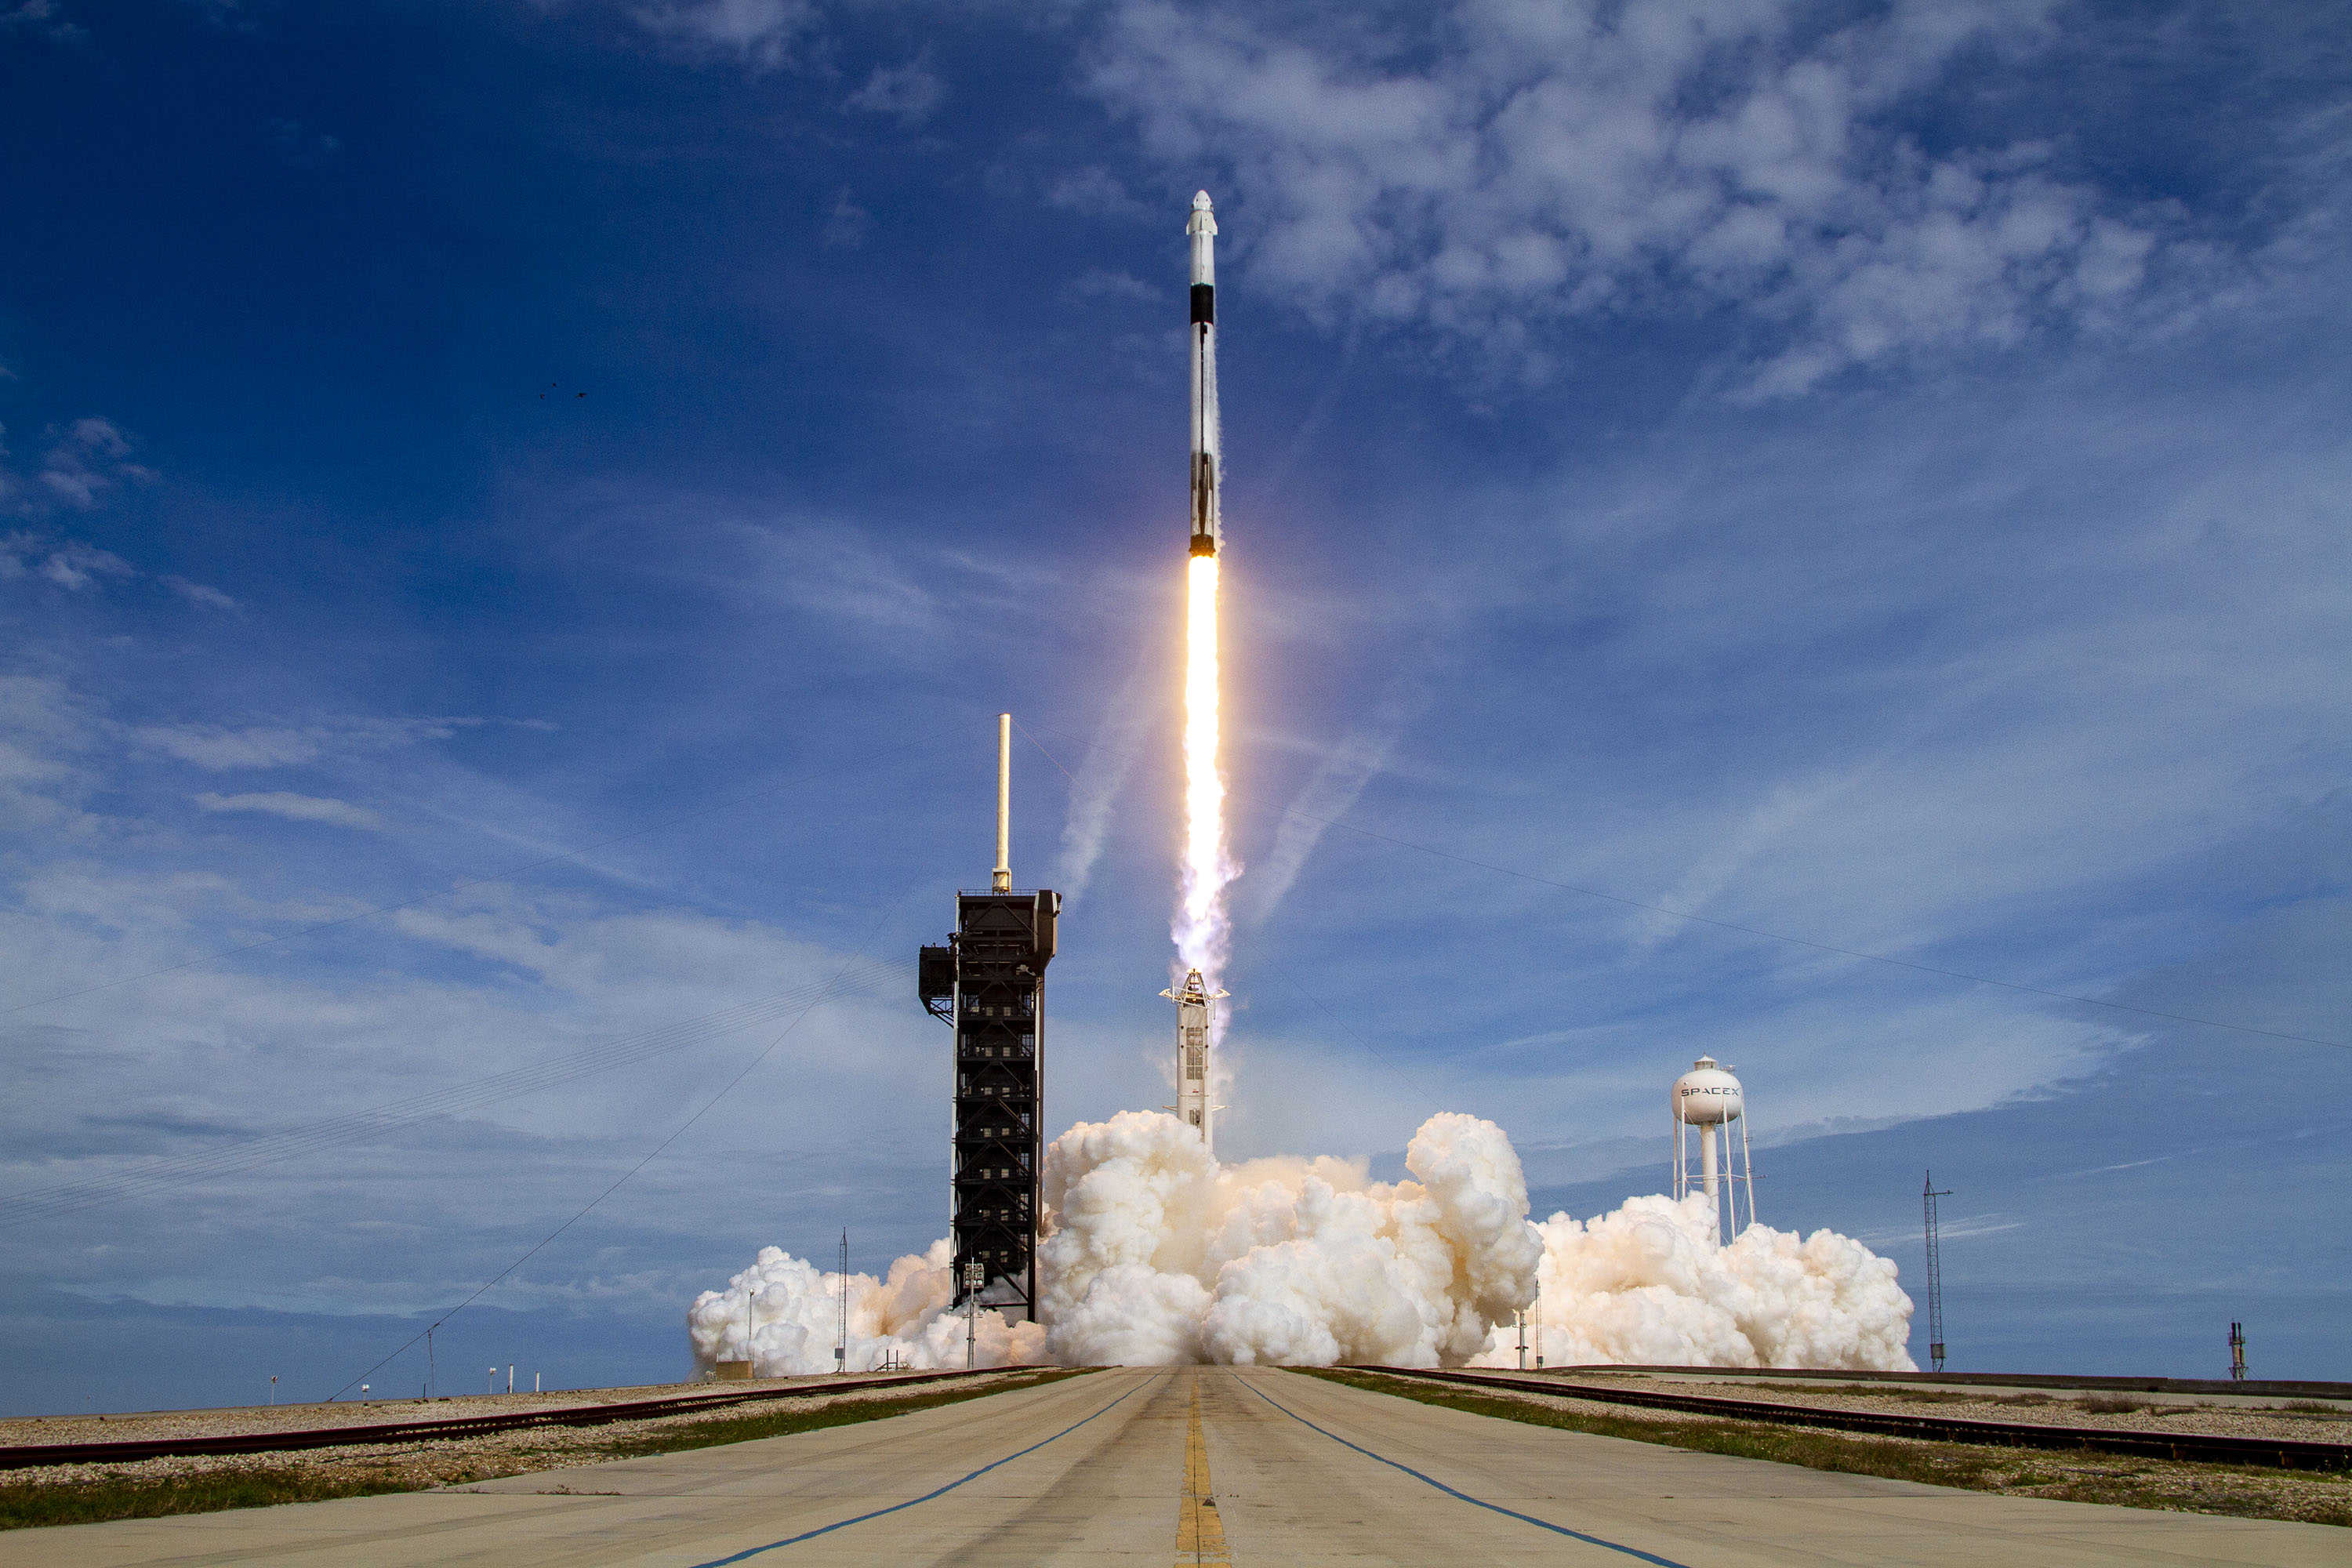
(585, 850)
(1735, 926)
(545, 1241)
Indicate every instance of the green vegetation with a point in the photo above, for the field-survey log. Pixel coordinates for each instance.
(2304, 1496)
(117, 1495)
(257, 1483)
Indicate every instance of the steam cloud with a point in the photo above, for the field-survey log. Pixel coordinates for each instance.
(1157, 1255)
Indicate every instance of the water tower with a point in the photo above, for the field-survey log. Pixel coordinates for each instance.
(1706, 1101)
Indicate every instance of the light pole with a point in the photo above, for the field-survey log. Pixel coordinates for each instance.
(975, 1275)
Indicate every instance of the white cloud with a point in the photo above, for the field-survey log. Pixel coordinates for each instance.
(1532, 163)
(77, 567)
(912, 91)
(1096, 192)
(91, 457)
(760, 33)
(845, 225)
(1095, 283)
(294, 808)
(220, 747)
(1329, 793)
(1103, 773)
(200, 594)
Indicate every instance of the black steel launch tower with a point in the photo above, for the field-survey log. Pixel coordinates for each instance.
(989, 983)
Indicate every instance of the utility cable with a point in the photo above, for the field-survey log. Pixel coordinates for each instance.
(585, 850)
(1735, 926)
(765, 1052)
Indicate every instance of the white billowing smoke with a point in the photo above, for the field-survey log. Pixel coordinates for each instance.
(1157, 1255)
(1647, 1285)
(782, 1315)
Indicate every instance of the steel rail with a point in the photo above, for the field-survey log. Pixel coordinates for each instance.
(2256, 1388)
(27, 1455)
(2187, 1446)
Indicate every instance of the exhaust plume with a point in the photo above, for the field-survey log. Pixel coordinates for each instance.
(1157, 1255)
(1202, 929)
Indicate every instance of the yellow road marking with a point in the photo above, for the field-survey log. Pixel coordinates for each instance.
(1200, 1533)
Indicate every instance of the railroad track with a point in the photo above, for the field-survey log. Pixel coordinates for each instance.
(25, 1455)
(2191, 1447)
(2258, 1388)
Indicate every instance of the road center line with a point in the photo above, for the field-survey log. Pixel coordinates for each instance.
(1200, 1529)
(1465, 1497)
(893, 1508)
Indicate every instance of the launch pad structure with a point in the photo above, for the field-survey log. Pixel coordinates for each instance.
(988, 983)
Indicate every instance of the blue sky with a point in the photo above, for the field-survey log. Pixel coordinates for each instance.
(587, 475)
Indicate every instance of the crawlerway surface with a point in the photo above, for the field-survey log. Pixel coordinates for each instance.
(1221, 1465)
(2239, 1491)
(205, 1482)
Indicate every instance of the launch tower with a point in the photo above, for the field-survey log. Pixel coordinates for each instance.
(989, 984)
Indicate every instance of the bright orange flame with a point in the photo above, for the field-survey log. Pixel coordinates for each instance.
(1200, 927)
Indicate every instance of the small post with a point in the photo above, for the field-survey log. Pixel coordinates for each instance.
(841, 1323)
(273, 1382)
(2237, 1354)
(510, 1377)
(1001, 880)
(534, 1381)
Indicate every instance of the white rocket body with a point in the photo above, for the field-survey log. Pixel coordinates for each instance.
(1206, 461)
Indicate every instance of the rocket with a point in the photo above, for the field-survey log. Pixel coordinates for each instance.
(1203, 231)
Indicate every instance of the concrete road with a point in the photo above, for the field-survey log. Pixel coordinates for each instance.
(1191, 1466)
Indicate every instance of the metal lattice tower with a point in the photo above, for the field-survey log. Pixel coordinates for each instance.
(1928, 1196)
(988, 984)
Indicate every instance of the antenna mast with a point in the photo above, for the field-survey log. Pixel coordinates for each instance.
(1927, 1197)
(841, 1316)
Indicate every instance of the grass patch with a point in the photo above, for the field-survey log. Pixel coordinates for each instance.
(27, 1504)
(2305, 1496)
(250, 1483)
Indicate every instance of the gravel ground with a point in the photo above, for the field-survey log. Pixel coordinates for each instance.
(241, 1419)
(433, 1461)
(2099, 1411)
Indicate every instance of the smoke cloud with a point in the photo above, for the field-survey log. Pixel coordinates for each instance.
(1157, 1255)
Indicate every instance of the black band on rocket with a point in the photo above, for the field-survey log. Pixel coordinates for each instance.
(1204, 304)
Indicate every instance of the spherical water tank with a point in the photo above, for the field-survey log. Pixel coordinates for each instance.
(1706, 1095)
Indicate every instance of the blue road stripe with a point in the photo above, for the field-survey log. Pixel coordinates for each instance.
(1465, 1497)
(893, 1508)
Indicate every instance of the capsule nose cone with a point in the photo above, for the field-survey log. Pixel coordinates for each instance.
(1200, 201)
